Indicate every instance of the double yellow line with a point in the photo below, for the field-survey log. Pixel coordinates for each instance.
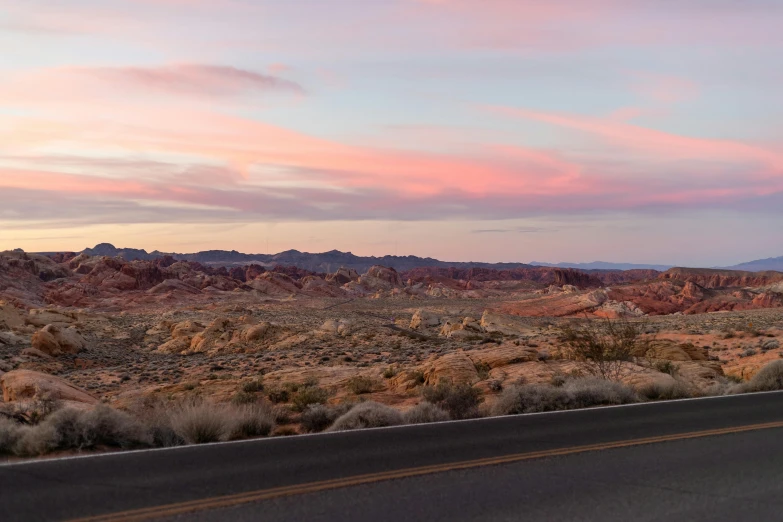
(313, 487)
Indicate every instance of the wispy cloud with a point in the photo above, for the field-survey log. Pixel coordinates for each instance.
(514, 230)
(212, 80)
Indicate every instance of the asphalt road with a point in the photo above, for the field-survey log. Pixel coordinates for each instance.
(711, 459)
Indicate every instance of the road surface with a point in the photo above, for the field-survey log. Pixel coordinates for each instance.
(707, 459)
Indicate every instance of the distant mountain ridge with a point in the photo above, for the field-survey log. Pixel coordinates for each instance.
(324, 262)
(760, 265)
(604, 265)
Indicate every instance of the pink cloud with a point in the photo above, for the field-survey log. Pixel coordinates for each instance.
(660, 143)
(80, 83)
(664, 89)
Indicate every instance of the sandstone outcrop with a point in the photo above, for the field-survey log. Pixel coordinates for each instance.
(56, 340)
(455, 367)
(20, 385)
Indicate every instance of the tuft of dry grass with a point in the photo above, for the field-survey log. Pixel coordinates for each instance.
(664, 391)
(425, 412)
(460, 401)
(367, 415)
(769, 378)
(582, 392)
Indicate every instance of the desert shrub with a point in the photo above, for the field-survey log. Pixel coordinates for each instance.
(416, 376)
(307, 395)
(769, 378)
(36, 440)
(250, 421)
(748, 352)
(361, 384)
(592, 391)
(39, 408)
(75, 429)
(367, 415)
(603, 347)
(581, 392)
(281, 414)
(557, 380)
(425, 412)
(10, 432)
(461, 401)
(318, 417)
(200, 422)
(105, 426)
(162, 432)
(667, 367)
(495, 385)
(278, 395)
(389, 372)
(243, 397)
(482, 369)
(657, 391)
(253, 386)
(531, 398)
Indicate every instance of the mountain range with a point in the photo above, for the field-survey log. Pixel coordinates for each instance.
(760, 265)
(326, 262)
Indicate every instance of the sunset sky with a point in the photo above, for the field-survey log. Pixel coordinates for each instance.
(645, 131)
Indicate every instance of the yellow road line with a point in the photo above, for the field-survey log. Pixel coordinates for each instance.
(312, 487)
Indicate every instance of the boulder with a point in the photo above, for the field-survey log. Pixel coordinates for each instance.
(258, 332)
(18, 385)
(380, 278)
(343, 276)
(424, 319)
(503, 355)
(493, 322)
(335, 327)
(55, 340)
(456, 367)
(10, 317)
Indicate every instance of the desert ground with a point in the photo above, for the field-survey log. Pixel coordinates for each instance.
(80, 332)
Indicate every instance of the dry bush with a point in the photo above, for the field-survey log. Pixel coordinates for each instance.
(157, 415)
(425, 412)
(278, 395)
(461, 401)
(37, 409)
(359, 385)
(483, 370)
(9, 435)
(667, 367)
(656, 391)
(769, 378)
(35, 440)
(105, 426)
(75, 429)
(367, 415)
(243, 397)
(256, 385)
(318, 417)
(722, 385)
(249, 421)
(592, 391)
(603, 347)
(573, 394)
(530, 398)
(307, 395)
(200, 422)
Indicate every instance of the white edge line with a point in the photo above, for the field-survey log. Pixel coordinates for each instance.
(117, 453)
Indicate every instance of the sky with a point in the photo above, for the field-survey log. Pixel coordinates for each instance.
(647, 131)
